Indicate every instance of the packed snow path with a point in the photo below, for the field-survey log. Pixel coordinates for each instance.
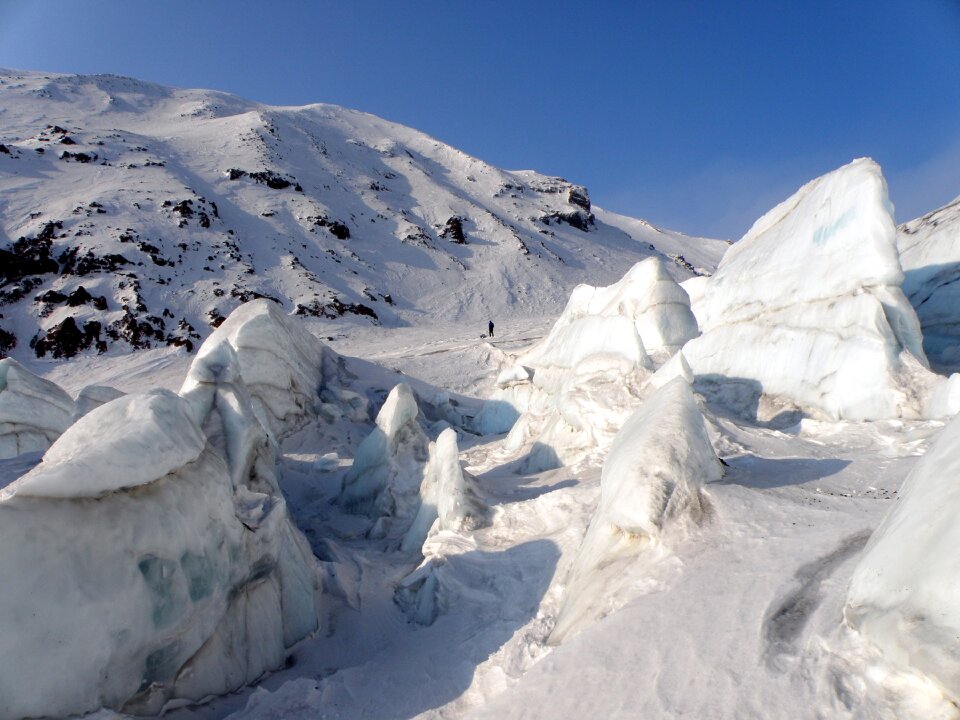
(732, 621)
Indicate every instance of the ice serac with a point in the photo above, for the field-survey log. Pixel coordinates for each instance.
(154, 555)
(151, 435)
(283, 367)
(449, 499)
(651, 482)
(904, 595)
(565, 398)
(695, 287)
(647, 295)
(389, 466)
(808, 305)
(930, 255)
(33, 411)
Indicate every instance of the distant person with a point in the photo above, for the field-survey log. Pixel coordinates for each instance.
(490, 328)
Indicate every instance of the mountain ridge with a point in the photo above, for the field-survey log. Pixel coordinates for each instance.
(144, 214)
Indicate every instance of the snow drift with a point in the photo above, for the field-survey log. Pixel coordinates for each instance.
(569, 394)
(651, 480)
(33, 411)
(808, 304)
(905, 593)
(154, 555)
(930, 255)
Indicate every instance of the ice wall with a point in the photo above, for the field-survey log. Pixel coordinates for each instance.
(930, 255)
(646, 295)
(33, 411)
(808, 304)
(651, 480)
(601, 329)
(154, 556)
(905, 593)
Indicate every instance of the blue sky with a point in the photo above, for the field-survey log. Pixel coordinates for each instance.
(697, 116)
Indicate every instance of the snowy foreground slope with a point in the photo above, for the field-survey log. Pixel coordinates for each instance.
(138, 215)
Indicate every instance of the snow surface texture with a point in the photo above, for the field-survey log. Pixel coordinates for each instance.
(652, 479)
(567, 396)
(930, 255)
(154, 555)
(33, 411)
(808, 305)
(161, 210)
(904, 596)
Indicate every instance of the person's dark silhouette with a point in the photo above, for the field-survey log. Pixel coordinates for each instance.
(490, 328)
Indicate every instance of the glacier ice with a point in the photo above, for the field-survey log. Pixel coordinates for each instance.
(809, 305)
(930, 256)
(449, 498)
(566, 397)
(695, 287)
(389, 465)
(151, 435)
(646, 295)
(283, 367)
(33, 411)
(651, 480)
(154, 555)
(904, 595)
(93, 396)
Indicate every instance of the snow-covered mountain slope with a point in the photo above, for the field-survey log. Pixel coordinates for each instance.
(930, 254)
(143, 214)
